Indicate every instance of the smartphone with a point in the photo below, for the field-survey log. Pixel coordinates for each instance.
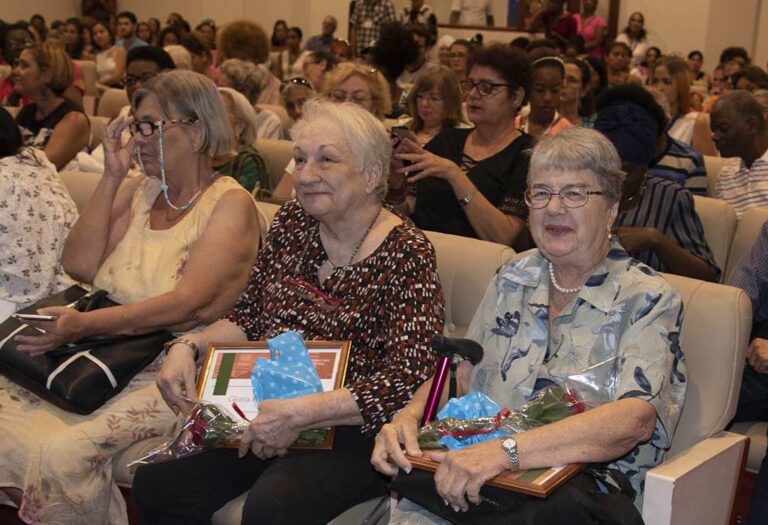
(400, 133)
(35, 317)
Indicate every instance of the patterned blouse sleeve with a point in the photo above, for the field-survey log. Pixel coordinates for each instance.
(413, 311)
(651, 362)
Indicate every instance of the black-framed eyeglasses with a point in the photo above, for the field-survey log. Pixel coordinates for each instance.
(147, 127)
(570, 197)
(130, 80)
(484, 87)
(296, 81)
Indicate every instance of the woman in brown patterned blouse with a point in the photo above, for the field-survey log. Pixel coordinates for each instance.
(336, 266)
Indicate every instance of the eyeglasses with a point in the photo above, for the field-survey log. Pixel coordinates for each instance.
(147, 128)
(296, 81)
(484, 87)
(130, 80)
(342, 96)
(570, 197)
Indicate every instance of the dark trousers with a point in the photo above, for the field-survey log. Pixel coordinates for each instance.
(753, 406)
(303, 487)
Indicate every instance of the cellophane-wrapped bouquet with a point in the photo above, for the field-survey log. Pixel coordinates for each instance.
(474, 418)
(205, 427)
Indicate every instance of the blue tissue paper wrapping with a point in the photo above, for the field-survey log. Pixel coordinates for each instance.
(289, 372)
(470, 406)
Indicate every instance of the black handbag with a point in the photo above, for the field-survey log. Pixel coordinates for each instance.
(82, 376)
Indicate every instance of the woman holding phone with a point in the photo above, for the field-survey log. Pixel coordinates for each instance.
(471, 182)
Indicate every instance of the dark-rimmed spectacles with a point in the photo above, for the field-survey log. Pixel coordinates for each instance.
(484, 87)
(147, 127)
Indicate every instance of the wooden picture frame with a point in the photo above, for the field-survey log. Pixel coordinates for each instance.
(331, 359)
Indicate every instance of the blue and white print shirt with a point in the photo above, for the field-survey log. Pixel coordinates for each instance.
(620, 338)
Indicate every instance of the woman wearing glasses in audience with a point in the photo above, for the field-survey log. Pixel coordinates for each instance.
(174, 248)
(580, 301)
(51, 123)
(434, 104)
(671, 76)
(459, 54)
(349, 82)
(336, 265)
(471, 182)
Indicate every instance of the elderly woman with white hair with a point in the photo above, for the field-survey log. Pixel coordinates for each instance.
(174, 248)
(247, 166)
(576, 302)
(248, 79)
(335, 266)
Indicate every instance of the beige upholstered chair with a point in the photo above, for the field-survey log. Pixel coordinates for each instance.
(713, 165)
(719, 221)
(277, 154)
(746, 235)
(281, 113)
(111, 102)
(81, 185)
(96, 123)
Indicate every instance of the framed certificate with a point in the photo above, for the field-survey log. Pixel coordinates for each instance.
(225, 378)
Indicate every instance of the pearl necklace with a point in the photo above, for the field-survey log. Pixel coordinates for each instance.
(557, 286)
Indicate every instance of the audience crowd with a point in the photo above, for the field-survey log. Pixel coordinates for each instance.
(583, 149)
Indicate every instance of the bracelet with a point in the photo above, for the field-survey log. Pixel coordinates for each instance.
(466, 199)
(183, 341)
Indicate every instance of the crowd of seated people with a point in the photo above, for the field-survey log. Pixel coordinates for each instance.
(585, 149)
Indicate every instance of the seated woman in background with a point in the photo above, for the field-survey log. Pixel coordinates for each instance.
(672, 78)
(316, 67)
(175, 257)
(169, 36)
(336, 265)
(73, 36)
(294, 92)
(200, 53)
(356, 83)
(471, 182)
(29, 181)
(246, 167)
(180, 56)
(577, 104)
(635, 37)
(544, 97)
(580, 301)
(642, 72)
(434, 103)
(460, 50)
(144, 32)
(617, 60)
(50, 122)
(290, 60)
(248, 78)
(110, 59)
(699, 79)
(657, 222)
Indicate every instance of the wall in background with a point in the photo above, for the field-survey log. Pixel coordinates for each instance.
(677, 26)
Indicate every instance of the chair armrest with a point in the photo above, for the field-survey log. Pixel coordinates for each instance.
(698, 485)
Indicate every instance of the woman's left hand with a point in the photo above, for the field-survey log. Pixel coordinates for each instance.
(426, 164)
(465, 471)
(272, 431)
(68, 327)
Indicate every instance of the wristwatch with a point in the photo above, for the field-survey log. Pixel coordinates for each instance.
(466, 199)
(510, 447)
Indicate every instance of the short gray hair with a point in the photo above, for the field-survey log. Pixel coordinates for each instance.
(244, 113)
(743, 105)
(363, 134)
(580, 149)
(245, 77)
(188, 95)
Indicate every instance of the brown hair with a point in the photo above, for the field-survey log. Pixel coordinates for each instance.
(53, 57)
(444, 79)
(243, 39)
(678, 70)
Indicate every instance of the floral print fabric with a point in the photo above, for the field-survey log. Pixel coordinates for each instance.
(620, 338)
(36, 214)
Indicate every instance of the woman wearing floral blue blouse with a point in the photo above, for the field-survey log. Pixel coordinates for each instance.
(577, 302)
